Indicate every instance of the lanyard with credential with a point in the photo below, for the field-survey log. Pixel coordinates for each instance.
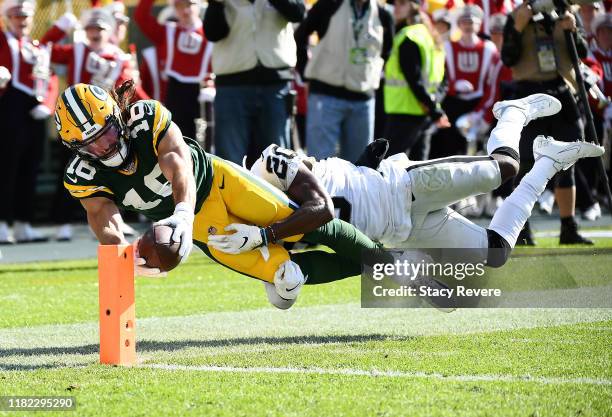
(358, 54)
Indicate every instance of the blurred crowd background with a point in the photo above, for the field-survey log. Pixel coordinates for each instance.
(322, 77)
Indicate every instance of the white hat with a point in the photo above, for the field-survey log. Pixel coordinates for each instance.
(117, 10)
(23, 7)
(471, 12)
(442, 15)
(497, 22)
(603, 19)
(98, 17)
(166, 15)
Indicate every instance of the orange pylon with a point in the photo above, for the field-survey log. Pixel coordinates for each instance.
(117, 304)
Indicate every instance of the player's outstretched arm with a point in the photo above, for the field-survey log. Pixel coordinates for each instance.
(174, 159)
(316, 207)
(105, 220)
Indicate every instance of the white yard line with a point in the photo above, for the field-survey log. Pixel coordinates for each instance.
(388, 374)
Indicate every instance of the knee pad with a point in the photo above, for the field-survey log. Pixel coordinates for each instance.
(275, 299)
(499, 249)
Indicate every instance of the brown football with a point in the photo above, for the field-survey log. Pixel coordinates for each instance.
(157, 248)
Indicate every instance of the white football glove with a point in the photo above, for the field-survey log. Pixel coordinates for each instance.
(182, 223)
(245, 238)
(40, 112)
(5, 76)
(67, 22)
(288, 280)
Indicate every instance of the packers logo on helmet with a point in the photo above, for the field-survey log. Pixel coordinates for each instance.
(88, 121)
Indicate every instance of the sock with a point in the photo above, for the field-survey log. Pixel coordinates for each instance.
(510, 218)
(507, 133)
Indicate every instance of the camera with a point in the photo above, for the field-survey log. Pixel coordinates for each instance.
(547, 6)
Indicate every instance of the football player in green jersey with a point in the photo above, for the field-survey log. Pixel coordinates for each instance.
(132, 156)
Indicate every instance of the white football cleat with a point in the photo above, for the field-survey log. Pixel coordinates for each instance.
(64, 233)
(564, 154)
(25, 233)
(5, 234)
(533, 106)
(592, 213)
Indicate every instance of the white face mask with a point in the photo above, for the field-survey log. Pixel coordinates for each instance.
(118, 158)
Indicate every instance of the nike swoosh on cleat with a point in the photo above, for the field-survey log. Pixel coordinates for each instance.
(246, 239)
(291, 289)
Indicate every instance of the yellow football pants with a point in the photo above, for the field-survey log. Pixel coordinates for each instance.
(237, 196)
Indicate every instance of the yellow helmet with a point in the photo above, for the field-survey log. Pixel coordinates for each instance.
(88, 121)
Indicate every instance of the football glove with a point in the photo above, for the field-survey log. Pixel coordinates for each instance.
(182, 223)
(5, 76)
(245, 238)
(288, 280)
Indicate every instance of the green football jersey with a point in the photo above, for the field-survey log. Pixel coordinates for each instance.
(142, 188)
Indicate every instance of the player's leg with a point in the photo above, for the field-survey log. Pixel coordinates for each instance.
(345, 240)
(438, 183)
(441, 182)
(248, 197)
(512, 116)
(550, 157)
(321, 267)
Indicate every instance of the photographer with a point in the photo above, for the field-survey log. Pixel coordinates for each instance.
(538, 54)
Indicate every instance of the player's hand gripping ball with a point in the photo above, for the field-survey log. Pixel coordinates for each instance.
(158, 249)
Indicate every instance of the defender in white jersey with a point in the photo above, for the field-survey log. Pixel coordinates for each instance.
(405, 203)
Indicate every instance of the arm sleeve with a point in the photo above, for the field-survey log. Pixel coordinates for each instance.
(388, 31)
(61, 54)
(511, 48)
(55, 34)
(410, 63)
(79, 186)
(292, 10)
(161, 123)
(582, 46)
(147, 23)
(215, 23)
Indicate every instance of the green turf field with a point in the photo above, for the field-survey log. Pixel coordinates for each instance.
(209, 344)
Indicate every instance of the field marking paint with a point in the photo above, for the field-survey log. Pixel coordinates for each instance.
(388, 374)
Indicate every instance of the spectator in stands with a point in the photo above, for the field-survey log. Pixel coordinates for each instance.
(538, 55)
(414, 85)
(96, 61)
(253, 60)
(23, 90)
(443, 23)
(355, 38)
(117, 10)
(187, 55)
(468, 62)
(490, 8)
(588, 12)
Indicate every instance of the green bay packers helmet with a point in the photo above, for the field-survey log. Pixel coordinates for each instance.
(88, 121)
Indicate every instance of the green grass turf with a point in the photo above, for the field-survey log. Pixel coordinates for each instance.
(484, 362)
